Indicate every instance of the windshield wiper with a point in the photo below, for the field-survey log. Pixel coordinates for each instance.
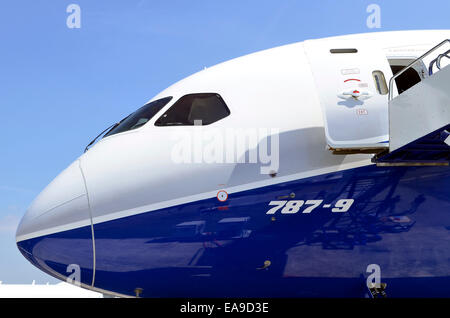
(93, 141)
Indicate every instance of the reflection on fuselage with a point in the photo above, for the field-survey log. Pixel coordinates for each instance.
(222, 247)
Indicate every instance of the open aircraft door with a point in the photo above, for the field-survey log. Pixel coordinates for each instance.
(351, 80)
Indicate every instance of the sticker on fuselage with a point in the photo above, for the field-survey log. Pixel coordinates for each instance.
(350, 71)
(294, 206)
(222, 195)
(362, 112)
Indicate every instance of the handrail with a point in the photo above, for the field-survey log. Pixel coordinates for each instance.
(391, 82)
(437, 61)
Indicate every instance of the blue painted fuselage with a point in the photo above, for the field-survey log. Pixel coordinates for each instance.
(400, 220)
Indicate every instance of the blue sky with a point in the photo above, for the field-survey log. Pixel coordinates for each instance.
(60, 87)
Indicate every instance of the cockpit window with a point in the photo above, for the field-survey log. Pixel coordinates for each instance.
(139, 118)
(204, 109)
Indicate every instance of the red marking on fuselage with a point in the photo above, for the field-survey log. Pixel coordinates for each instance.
(352, 79)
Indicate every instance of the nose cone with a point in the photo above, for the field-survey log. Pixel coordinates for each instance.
(55, 233)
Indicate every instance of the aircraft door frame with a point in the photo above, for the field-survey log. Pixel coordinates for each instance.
(354, 101)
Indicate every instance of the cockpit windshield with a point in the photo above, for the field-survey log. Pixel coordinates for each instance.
(140, 117)
(135, 120)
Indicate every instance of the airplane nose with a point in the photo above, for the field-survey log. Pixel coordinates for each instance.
(55, 233)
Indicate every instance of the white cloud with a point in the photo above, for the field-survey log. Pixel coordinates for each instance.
(15, 189)
(9, 223)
